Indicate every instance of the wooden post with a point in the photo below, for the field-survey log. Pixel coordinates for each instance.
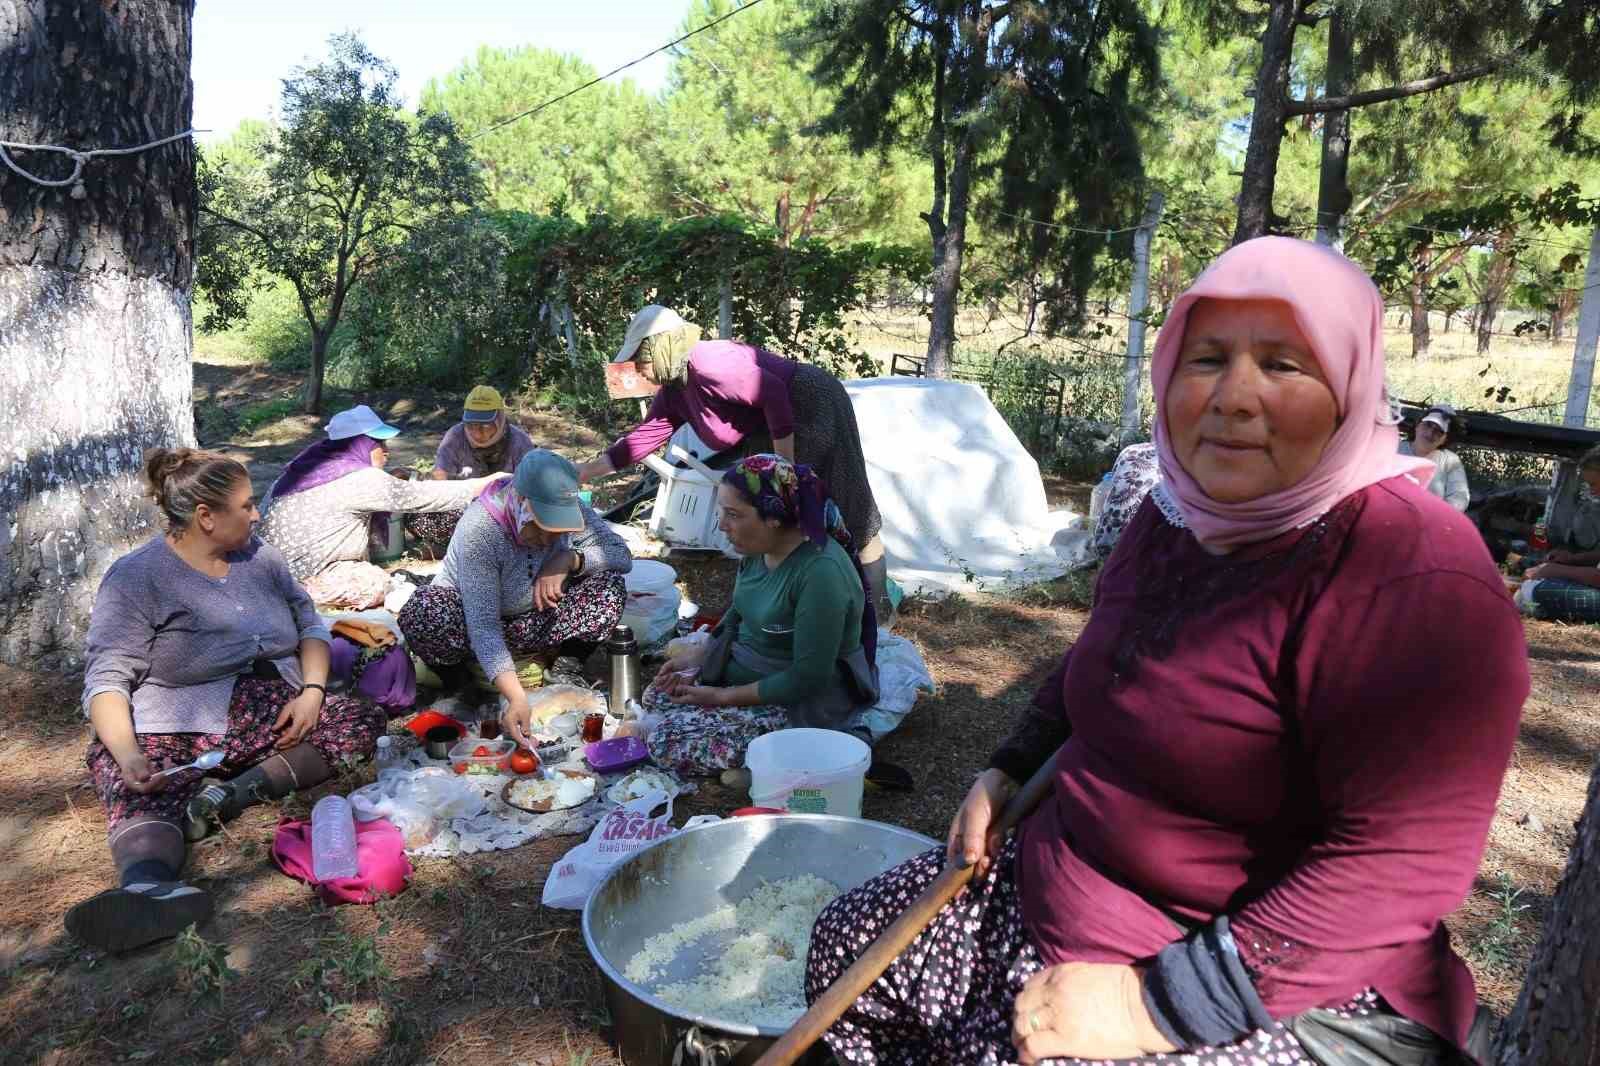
(1563, 501)
(1138, 298)
(725, 308)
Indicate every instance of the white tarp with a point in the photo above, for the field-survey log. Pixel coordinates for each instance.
(963, 505)
(964, 509)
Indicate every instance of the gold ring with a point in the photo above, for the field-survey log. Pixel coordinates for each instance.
(1033, 1022)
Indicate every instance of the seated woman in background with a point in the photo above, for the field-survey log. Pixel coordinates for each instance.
(798, 646)
(1565, 587)
(200, 640)
(1133, 475)
(1266, 793)
(483, 442)
(1434, 435)
(531, 571)
(323, 509)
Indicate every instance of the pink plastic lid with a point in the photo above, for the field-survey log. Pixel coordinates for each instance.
(618, 753)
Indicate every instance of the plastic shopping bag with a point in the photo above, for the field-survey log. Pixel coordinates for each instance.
(625, 830)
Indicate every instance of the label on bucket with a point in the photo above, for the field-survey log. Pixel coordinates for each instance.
(808, 801)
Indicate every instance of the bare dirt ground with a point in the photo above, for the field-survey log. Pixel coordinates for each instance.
(466, 966)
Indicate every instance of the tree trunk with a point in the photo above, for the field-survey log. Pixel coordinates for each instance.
(938, 148)
(94, 297)
(971, 81)
(1555, 1022)
(318, 369)
(1566, 303)
(1496, 281)
(1333, 193)
(947, 267)
(1266, 123)
(780, 218)
(1421, 338)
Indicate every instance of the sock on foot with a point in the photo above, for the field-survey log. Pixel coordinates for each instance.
(146, 870)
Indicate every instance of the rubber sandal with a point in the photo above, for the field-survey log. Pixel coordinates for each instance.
(121, 919)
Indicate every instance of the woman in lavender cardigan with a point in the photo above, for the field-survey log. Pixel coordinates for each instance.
(200, 640)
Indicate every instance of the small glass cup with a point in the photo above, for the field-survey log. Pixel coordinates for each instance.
(594, 725)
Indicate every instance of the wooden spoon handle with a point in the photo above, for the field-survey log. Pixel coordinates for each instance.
(869, 966)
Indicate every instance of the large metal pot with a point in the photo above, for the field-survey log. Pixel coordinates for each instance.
(690, 873)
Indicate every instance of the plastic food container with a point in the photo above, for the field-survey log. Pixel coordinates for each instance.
(498, 759)
(615, 755)
(430, 718)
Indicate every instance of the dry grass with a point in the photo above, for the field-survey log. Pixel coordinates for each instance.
(1535, 370)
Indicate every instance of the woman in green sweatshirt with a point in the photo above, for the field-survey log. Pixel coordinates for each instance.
(799, 644)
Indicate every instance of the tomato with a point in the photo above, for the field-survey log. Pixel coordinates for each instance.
(524, 761)
(461, 767)
(480, 752)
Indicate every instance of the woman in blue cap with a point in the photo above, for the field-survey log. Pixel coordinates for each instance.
(531, 570)
(322, 509)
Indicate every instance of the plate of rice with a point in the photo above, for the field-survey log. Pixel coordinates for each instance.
(564, 789)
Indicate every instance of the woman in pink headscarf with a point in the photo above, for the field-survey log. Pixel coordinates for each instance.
(1268, 789)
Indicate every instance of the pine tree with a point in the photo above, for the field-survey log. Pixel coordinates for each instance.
(1040, 95)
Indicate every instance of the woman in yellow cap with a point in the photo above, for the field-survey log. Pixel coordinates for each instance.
(484, 442)
(732, 393)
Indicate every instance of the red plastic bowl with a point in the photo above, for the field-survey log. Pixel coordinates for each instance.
(428, 719)
(743, 812)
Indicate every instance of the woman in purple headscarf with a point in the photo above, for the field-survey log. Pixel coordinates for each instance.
(797, 648)
(322, 509)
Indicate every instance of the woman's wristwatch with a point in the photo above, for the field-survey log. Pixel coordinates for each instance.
(318, 686)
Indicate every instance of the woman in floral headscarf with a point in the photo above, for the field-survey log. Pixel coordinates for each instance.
(799, 645)
(734, 393)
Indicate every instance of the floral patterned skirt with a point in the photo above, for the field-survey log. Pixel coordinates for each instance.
(433, 529)
(435, 622)
(348, 729)
(949, 997)
(706, 740)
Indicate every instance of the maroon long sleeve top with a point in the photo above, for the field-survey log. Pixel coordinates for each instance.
(731, 389)
(1307, 736)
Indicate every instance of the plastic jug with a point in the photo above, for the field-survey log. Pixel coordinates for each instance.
(333, 839)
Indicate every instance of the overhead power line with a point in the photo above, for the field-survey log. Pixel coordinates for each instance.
(596, 81)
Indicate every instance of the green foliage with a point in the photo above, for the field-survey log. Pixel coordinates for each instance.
(1041, 106)
(486, 297)
(1502, 945)
(590, 154)
(202, 965)
(257, 415)
(737, 135)
(342, 965)
(792, 299)
(323, 199)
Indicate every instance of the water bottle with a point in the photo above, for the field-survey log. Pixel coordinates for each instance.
(333, 839)
(387, 754)
(1097, 499)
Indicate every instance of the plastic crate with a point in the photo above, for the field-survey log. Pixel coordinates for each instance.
(685, 511)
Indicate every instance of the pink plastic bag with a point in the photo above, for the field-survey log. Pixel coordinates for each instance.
(382, 867)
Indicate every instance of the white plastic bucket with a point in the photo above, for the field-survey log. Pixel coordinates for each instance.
(649, 575)
(808, 771)
(652, 607)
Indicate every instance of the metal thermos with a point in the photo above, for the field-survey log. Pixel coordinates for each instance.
(623, 651)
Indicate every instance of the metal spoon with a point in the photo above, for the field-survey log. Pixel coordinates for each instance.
(208, 760)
